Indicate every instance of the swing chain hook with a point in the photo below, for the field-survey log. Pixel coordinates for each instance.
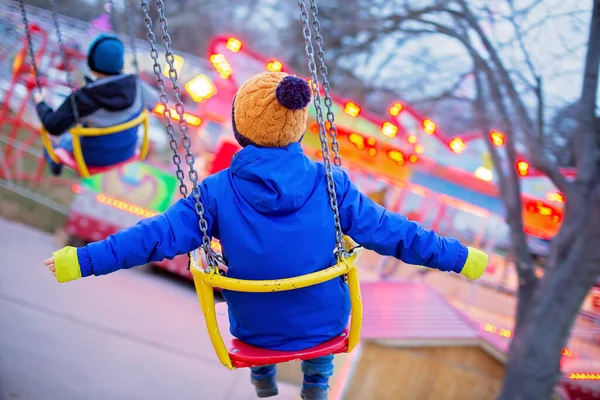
(30, 45)
(314, 82)
(211, 257)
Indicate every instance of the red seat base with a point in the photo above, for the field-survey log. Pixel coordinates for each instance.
(243, 355)
(67, 159)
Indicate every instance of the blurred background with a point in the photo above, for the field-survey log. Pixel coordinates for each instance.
(477, 119)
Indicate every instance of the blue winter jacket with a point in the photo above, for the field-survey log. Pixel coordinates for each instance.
(103, 103)
(271, 212)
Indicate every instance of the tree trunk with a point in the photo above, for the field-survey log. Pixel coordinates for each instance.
(533, 366)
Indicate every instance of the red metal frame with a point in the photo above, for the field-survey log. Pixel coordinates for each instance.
(23, 73)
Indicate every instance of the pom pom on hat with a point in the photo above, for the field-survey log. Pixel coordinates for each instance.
(270, 110)
(293, 93)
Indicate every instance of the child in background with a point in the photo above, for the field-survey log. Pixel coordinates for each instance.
(109, 98)
(270, 210)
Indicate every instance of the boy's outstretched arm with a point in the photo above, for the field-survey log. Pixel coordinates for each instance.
(153, 239)
(392, 234)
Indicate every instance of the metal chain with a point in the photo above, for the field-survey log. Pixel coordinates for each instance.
(30, 45)
(335, 146)
(65, 59)
(160, 83)
(309, 50)
(211, 258)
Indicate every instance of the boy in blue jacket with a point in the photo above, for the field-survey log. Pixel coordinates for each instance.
(109, 98)
(270, 203)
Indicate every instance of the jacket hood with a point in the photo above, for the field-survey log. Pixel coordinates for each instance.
(114, 93)
(274, 180)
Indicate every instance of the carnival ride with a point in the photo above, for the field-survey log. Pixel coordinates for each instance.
(404, 155)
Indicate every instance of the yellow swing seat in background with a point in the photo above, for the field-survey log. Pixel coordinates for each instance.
(232, 352)
(76, 161)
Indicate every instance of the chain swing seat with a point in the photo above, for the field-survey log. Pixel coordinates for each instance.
(234, 353)
(231, 352)
(75, 160)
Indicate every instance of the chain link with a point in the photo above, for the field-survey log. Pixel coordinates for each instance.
(65, 59)
(30, 45)
(335, 146)
(160, 83)
(309, 50)
(211, 258)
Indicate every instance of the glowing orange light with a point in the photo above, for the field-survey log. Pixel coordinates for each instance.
(507, 333)
(125, 206)
(221, 65)
(397, 156)
(484, 174)
(419, 149)
(200, 88)
(388, 129)
(413, 158)
(178, 62)
(429, 126)
(523, 168)
(76, 188)
(352, 109)
(584, 376)
(489, 328)
(357, 140)
(395, 109)
(457, 145)
(191, 119)
(567, 353)
(543, 210)
(372, 141)
(497, 138)
(372, 152)
(234, 45)
(412, 139)
(274, 66)
(556, 197)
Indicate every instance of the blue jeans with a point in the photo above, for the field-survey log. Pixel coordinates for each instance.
(65, 142)
(316, 371)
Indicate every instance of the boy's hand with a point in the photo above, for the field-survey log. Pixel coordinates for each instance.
(50, 264)
(64, 264)
(39, 96)
(475, 264)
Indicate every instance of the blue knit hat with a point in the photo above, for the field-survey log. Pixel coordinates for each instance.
(105, 55)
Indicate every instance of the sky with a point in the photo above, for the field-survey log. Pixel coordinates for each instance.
(555, 34)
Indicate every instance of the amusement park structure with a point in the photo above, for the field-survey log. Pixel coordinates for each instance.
(447, 183)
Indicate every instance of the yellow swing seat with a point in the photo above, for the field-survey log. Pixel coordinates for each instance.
(232, 352)
(76, 161)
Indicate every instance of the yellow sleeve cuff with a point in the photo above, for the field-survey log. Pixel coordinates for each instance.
(476, 263)
(67, 264)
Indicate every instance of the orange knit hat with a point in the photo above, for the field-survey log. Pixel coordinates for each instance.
(270, 110)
